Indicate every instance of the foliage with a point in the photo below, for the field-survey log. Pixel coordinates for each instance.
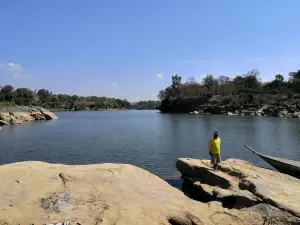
(242, 89)
(208, 81)
(45, 98)
(176, 81)
(146, 105)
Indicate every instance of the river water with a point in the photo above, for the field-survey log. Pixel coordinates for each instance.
(147, 139)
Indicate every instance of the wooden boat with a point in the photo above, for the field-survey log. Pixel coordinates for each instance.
(286, 166)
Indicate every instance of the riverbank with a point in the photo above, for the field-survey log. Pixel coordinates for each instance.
(42, 193)
(90, 110)
(22, 114)
(257, 110)
(275, 106)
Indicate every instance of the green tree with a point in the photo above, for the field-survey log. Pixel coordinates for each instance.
(6, 93)
(176, 81)
(279, 78)
(208, 81)
(251, 79)
(75, 98)
(161, 95)
(44, 95)
(295, 75)
(295, 81)
(23, 96)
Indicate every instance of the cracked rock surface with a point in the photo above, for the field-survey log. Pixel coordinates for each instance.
(241, 185)
(42, 193)
(22, 114)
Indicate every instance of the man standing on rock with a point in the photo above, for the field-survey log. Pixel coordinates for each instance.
(214, 150)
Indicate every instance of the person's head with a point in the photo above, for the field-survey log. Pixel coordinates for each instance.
(216, 134)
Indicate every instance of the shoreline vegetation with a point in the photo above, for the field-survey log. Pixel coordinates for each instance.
(22, 104)
(244, 95)
(10, 97)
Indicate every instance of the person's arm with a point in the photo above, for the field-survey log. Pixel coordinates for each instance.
(209, 146)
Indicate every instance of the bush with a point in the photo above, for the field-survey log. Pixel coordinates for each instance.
(290, 94)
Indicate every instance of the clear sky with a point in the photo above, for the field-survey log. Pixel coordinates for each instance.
(130, 48)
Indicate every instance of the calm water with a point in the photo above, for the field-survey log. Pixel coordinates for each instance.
(146, 139)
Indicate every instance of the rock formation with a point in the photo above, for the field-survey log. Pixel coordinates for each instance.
(42, 193)
(241, 185)
(255, 110)
(21, 114)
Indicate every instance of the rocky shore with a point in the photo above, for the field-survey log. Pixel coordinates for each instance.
(281, 110)
(22, 114)
(239, 184)
(42, 193)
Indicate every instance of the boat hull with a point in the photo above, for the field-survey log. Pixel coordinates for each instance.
(286, 166)
(282, 166)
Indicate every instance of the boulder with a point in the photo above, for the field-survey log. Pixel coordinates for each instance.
(231, 114)
(5, 116)
(2, 123)
(22, 116)
(42, 193)
(47, 114)
(274, 188)
(38, 116)
(10, 118)
(275, 112)
(235, 199)
(284, 113)
(296, 115)
(249, 113)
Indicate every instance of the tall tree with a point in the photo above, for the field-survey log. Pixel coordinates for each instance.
(44, 95)
(7, 93)
(161, 95)
(279, 78)
(295, 81)
(295, 75)
(251, 79)
(176, 81)
(23, 96)
(208, 81)
(222, 81)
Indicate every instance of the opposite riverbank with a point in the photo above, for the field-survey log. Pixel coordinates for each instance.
(224, 105)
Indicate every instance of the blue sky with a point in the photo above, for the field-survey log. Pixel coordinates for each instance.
(117, 48)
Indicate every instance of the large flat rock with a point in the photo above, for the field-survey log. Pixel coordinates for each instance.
(234, 175)
(22, 114)
(42, 193)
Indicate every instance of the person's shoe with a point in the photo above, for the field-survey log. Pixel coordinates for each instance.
(215, 167)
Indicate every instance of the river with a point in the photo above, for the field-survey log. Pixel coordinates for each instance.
(147, 139)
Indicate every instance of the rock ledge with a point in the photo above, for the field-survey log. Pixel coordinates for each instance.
(22, 114)
(42, 193)
(240, 184)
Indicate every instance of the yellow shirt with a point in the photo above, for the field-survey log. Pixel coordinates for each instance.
(214, 145)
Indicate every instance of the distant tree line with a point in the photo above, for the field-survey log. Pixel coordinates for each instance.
(45, 98)
(243, 89)
(146, 105)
